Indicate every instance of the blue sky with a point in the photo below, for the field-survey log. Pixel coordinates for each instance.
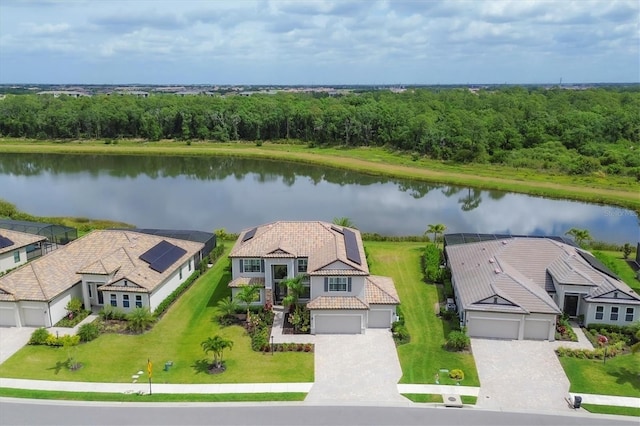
(319, 42)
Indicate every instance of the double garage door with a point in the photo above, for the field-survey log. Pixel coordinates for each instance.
(338, 324)
(534, 329)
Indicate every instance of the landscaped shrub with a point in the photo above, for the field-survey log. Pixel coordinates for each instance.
(432, 257)
(110, 313)
(456, 374)
(139, 320)
(300, 318)
(457, 340)
(447, 314)
(88, 332)
(564, 331)
(39, 336)
(400, 333)
(260, 339)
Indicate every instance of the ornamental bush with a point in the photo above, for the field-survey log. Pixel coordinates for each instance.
(39, 336)
(88, 332)
(457, 340)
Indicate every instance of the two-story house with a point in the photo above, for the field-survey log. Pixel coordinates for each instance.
(340, 293)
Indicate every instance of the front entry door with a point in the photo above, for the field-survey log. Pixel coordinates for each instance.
(279, 273)
(571, 305)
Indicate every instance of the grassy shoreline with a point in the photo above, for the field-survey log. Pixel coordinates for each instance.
(622, 192)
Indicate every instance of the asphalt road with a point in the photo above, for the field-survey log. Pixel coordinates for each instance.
(31, 412)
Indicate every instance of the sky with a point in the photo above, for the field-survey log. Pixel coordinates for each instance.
(308, 42)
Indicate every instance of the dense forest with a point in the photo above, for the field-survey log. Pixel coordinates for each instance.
(570, 131)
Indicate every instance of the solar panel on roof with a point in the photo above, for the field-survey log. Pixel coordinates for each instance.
(5, 242)
(249, 235)
(596, 264)
(351, 245)
(155, 252)
(167, 259)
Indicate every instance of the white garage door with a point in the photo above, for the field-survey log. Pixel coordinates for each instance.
(33, 317)
(379, 319)
(494, 328)
(536, 330)
(338, 324)
(7, 317)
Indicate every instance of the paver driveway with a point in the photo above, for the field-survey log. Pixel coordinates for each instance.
(356, 368)
(520, 375)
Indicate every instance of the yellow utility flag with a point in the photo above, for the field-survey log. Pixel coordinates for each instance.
(149, 367)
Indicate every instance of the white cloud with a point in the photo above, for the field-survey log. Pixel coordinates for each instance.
(408, 41)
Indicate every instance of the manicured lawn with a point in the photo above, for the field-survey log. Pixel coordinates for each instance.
(608, 409)
(424, 356)
(121, 397)
(176, 337)
(619, 376)
(437, 398)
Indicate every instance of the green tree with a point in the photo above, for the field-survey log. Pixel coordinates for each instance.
(579, 235)
(344, 221)
(295, 288)
(217, 345)
(139, 320)
(227, 307)
(626, 250)
(248, 295)
(436, 229)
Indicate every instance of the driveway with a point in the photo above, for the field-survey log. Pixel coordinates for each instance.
(12, 339)
(520, 374)
(360, 368)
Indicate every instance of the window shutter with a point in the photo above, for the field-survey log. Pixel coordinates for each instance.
(241, 265)
(326, 284)
(261, 265)
(349, 284)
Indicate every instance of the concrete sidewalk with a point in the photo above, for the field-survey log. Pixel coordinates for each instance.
(439, 389)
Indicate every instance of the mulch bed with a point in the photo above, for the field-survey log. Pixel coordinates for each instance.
(287, 327)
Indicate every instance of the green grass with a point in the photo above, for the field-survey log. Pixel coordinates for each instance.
(121, 397)
(422, 358)
(610, 409)
(619, 376)
(176, 337)
(437, 398)
(621, 191)
(616, 262)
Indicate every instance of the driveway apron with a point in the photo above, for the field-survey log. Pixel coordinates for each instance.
(520, 374)
(12, 339)
(356, 368)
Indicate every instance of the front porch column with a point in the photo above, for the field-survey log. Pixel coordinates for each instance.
(85, 295)
(268, 294)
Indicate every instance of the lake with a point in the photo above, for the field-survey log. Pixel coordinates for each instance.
(207, 193)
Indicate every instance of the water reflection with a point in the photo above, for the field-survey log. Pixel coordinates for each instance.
(208, 193)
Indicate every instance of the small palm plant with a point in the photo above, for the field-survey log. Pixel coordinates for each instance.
(248, 295)
(216, 344)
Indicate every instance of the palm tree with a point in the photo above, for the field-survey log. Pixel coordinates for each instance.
(248, 295)
(294, 290)
(579, 235)
(343, 221)
(227, 307)
(217, 345)
(436, 229)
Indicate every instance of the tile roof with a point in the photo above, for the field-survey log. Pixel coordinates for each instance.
(320, 242)
(337, 302)
(519, 270)
(20, 239)
(381, 291)
(99, 252)
(245, 281)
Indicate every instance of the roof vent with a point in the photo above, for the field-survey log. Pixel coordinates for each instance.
(504, 243)
(491, 260)
(497, 270)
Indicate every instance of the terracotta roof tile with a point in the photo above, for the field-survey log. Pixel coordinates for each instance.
(20, 239)
(246, 281)
(337, 302)
(381, 291)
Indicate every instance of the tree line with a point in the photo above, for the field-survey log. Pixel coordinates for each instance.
(572, 131)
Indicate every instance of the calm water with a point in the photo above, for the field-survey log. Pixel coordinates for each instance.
(231, 193)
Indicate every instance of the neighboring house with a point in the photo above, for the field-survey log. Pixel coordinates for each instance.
(206, 238)
(123, 269)
(14, 247)
(514, 288)
(341, 295)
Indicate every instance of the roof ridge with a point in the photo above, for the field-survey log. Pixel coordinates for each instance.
(35, 274)
(368, 278)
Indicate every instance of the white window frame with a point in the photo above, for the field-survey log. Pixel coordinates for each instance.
(615, 312)
(138, 301)
(252, 265)
(337, 283)
(629, 314)
(113, 300)
(16, 256)
(600, 312)
(125, 300)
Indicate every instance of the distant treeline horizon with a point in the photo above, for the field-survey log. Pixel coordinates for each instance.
(586, 131)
